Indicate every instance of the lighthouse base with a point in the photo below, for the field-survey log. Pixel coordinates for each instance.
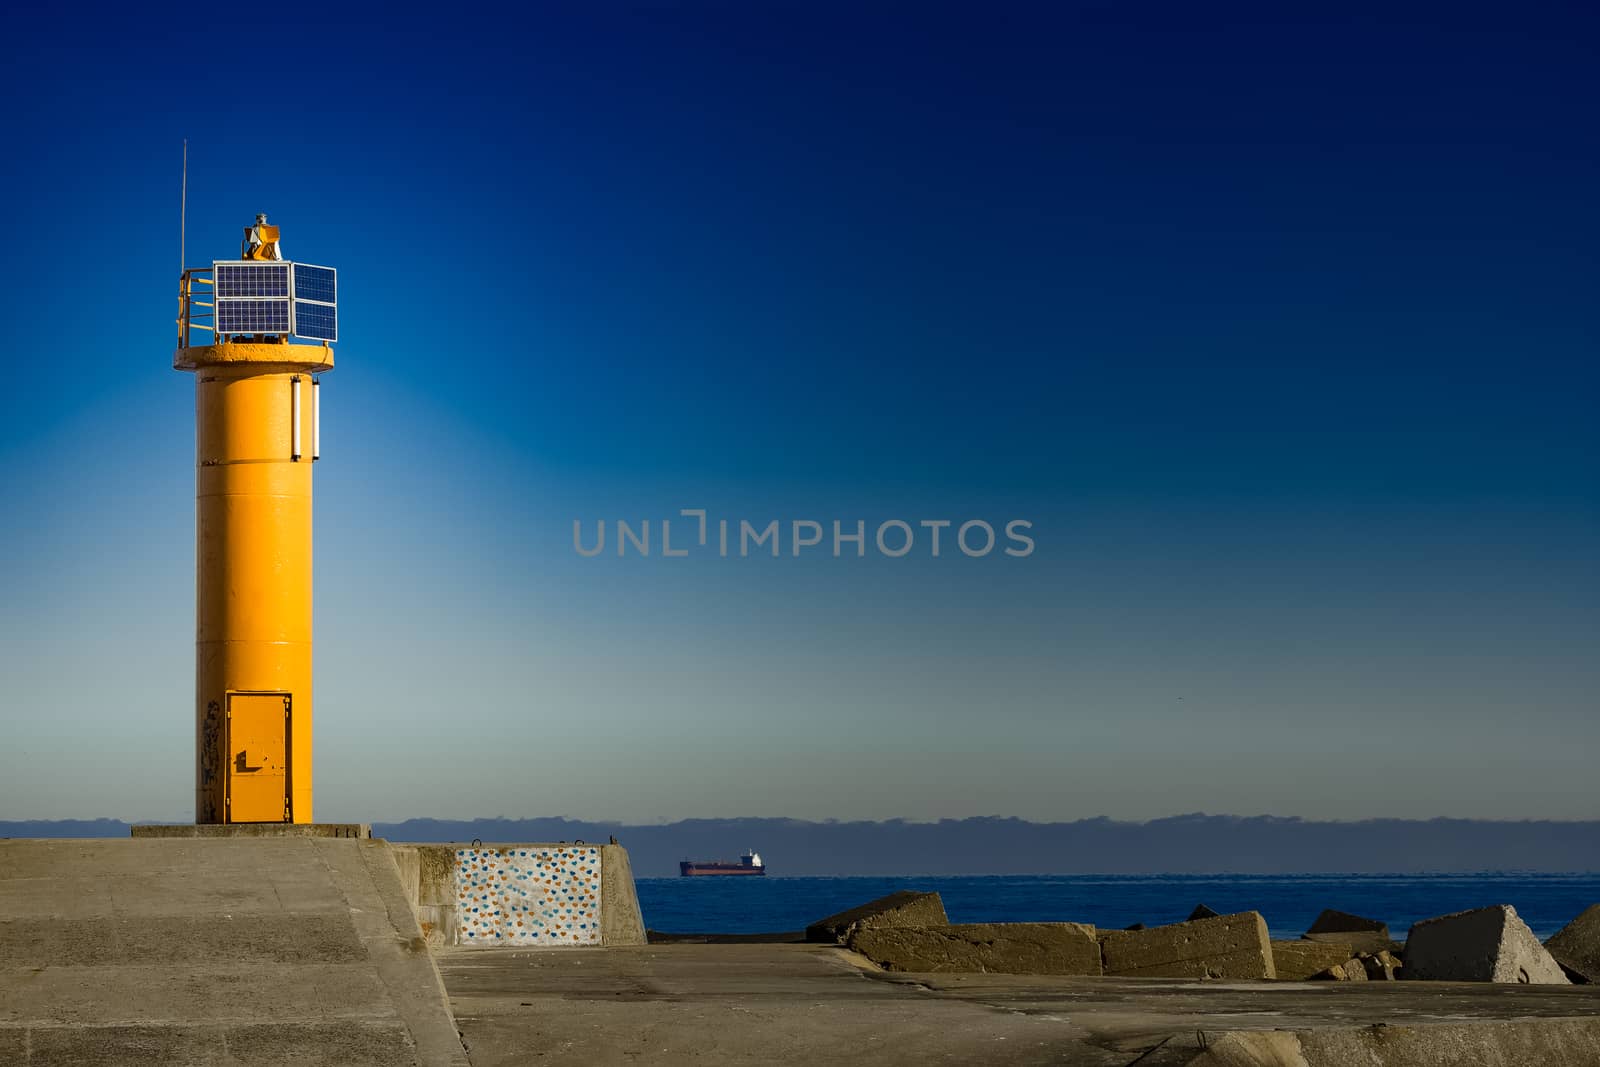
(254, 829)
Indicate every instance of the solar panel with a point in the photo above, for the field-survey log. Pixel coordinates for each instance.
(252, 316)
(251, 279)
(316, 283)
(256, 298)
(316, 322)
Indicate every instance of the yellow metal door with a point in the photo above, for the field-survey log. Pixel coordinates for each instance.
(257, 764)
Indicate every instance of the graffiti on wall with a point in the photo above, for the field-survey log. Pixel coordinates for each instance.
(210, 760)
(544, 895)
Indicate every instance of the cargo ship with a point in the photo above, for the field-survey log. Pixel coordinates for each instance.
(749, 863)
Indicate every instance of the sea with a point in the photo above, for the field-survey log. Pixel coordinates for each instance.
(1290, 903)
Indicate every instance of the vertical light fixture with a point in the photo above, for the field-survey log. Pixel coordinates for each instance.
(294, 404)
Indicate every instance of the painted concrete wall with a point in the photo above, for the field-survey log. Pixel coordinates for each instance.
(546, 896)
(524, 895)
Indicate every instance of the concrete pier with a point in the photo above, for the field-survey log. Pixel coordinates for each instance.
(307, 951)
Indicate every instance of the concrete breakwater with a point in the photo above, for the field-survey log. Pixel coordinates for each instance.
(909, 931)
(342, 949)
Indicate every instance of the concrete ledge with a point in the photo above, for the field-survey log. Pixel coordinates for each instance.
(254, 829)
(986, 948)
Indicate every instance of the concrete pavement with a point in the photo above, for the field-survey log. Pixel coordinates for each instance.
(793, 1003)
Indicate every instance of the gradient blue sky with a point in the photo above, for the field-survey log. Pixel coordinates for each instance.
(1277, 321)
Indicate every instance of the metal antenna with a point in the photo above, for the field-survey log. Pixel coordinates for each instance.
(183, 213)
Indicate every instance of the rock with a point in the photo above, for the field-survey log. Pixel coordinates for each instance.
(988, 948)
(1229, 946)
(1203, 912)
(1367, 935)
(1367, 967)
(1136, 926)
(1295, 960)
(1354, 970)
(1483, 945)
(1577, 946)
(1380, 965)
(904, 908)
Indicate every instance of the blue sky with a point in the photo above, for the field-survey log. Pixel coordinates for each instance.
(1279, 327)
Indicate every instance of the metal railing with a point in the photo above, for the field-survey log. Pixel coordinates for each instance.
(190, 319)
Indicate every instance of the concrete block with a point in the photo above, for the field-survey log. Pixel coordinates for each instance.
(1483, 945)
(904, 908)
(1202, 912)
(1366, 935)
(1577, 946)
(1360, 941)
(986, 948)
(1229, 946)
(1332, 921)
(1295, 960)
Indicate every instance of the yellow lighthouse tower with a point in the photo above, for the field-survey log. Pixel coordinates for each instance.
(267, 327)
